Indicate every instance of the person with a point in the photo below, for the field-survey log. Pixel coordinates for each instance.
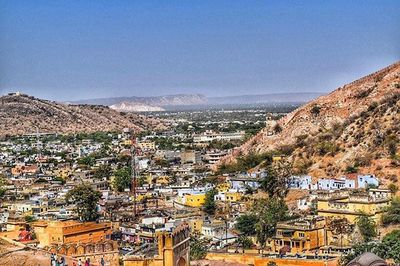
(79, 262)
(87, 262)
(102, 262)
(52, 259)
(62, 261)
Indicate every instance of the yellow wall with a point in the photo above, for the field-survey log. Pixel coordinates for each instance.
(350, 210)
(300, 240)
(257, 260)
(196, 225)
(194, 200)
(64, 173)
(233, 196)
(223, 187)
(70, 232)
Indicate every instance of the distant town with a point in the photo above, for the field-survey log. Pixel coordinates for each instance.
(134, 198)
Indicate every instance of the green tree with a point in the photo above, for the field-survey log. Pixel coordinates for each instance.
(85, 198)
(123, 178)
(103, 171)
(388, 248)
(315, 110)
(391, 246)
(87, 160)
(392, 216)
(358, 249)
(246, 224)
(244, 242)
(29, 219)
(393, 188)
(367, 227)
(340, 226)
(276, 181)
(3, 182)
(269, 212)
(209, 202)
(198, 248)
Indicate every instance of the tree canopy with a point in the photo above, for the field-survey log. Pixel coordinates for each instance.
(198, 248)
(85, 198)
(246, 224)
(392, 216)
(209, 203)
(275, 183)
(388, 248)
(103, 171)
(367, 227)
(123, 178)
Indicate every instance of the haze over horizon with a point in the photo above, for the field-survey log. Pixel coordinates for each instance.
(73, 50)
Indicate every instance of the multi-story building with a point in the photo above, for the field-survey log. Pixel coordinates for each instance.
(147, 145)
(194, 200)
(62, 232)
(213, 156)
(209, 136)
(350, 205)
(303, 234)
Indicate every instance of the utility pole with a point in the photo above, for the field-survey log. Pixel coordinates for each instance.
(133, 170)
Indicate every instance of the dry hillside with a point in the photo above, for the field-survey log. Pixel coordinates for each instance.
(21, 114)
(353, 126)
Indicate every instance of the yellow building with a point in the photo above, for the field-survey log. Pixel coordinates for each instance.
(350, 205)
(194, 200)
(127, 142)
(162, 180)
(304, 234)
(147, 145)
(228, 196)
(62, 232)
(172, 250)
(223, 187)
(157, 179)
(64, 172)
(196, 225)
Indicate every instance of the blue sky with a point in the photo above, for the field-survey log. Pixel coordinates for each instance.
(68, 50)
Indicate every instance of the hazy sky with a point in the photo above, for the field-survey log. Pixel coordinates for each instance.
(68, 50)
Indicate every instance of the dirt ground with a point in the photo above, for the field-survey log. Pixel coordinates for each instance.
(25, 258)
(214, 263)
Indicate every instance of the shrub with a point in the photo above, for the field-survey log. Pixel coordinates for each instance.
(315, 110)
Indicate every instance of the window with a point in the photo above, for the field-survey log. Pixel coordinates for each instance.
(301, 234)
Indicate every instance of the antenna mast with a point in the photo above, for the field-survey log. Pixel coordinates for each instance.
(133, 170)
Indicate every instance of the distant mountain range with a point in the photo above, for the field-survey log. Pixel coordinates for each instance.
(160, 103)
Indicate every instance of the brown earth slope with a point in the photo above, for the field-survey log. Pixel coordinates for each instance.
(357, 119)
(21, 114)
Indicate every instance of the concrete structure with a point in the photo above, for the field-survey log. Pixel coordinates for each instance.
(172, 250)
(303, 234)
(209, 136)
(62, 232)
(257, 260)
(345, 204)
(194, 200)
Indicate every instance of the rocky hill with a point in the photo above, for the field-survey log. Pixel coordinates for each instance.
(354, 128)
(21, 114)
